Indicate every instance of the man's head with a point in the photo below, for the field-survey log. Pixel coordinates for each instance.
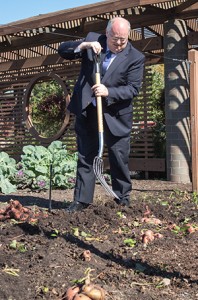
(117, 33)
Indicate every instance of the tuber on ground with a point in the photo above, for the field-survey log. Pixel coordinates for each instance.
(81, 297)
(93, 291)
(148, 237)
(147, 212)
(88, 291)
(190, 228)
(86, 255)
(16, 211)
(71, 292)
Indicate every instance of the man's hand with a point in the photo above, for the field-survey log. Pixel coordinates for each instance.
(94, 45)
(100, 90)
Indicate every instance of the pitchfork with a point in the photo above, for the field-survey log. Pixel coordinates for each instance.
(98, 161)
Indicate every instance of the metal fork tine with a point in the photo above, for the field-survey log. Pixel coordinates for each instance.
(98, 170)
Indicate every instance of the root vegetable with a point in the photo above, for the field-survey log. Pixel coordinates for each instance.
(3, 218)
(16, 204)
(26, 210)
(86, 255)
(158, 235)
(87, 288)
(145, 220)
(93, 291)
(152, 221)
(81, 296)
(148, 237)
(157, 221)
(147, 212)
(190, 228)
(71, 292)
(14, 213)
(172, 226)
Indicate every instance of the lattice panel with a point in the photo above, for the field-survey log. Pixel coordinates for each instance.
(14, 133)
(142, 138)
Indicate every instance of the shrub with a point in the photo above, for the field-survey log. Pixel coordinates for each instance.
(158, 113)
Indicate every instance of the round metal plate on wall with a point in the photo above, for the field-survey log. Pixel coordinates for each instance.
(45, 107)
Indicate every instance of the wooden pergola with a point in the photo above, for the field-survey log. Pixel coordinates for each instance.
(40, 35)
(29, 47)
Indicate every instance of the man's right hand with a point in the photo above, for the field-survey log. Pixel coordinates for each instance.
(94, 45)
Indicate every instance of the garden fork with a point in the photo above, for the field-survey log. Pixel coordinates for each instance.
(98, 161)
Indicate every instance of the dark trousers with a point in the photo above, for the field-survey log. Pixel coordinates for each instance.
(118, 151)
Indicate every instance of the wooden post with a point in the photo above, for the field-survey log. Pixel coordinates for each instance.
(193, 57)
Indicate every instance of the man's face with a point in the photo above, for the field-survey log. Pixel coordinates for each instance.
(117, 38)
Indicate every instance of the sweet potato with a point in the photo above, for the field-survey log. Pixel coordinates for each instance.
(148, 237)
(71, 292)
(93, 291)
(86, 255)
(81, 296)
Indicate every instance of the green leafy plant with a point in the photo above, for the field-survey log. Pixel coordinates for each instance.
(195, 198)
(54, 233)
(121, 215)
(39, 165)
(18, 246)
(130, 242)
(7, 172)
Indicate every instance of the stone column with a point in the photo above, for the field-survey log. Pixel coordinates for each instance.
(177, 107)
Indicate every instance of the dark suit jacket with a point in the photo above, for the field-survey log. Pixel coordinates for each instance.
(123, 80)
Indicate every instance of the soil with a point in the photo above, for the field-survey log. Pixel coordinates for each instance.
(40, 259)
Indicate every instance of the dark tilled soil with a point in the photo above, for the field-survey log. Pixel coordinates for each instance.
(40, 260)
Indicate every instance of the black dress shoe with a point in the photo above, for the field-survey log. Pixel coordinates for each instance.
(77, 206)
(122, 202)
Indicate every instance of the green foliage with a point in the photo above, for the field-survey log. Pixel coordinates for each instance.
(47, 107)
(130, 242)
(157, 95)
(195, 198)
(158, 110)
(7, 171)
(37, 168)
(39, 163)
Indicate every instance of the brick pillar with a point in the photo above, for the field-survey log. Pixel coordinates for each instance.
(177, 108)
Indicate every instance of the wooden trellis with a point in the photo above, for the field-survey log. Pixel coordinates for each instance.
(14, 133)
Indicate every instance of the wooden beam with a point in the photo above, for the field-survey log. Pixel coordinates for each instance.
(73, 14)
(185, 5)
(150, 44)
(193, 57)
(149, 17)
(42, 39)
(31, 62)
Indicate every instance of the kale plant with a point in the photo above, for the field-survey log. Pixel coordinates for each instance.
(38, 163)
(7, 172)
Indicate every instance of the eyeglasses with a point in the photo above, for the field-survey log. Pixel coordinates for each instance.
(116, 39)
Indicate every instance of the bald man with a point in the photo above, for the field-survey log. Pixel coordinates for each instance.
(121, 78)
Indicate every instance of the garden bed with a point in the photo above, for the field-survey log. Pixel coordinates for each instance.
(41, 258)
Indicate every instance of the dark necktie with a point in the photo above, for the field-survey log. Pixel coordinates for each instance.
(106, 62)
